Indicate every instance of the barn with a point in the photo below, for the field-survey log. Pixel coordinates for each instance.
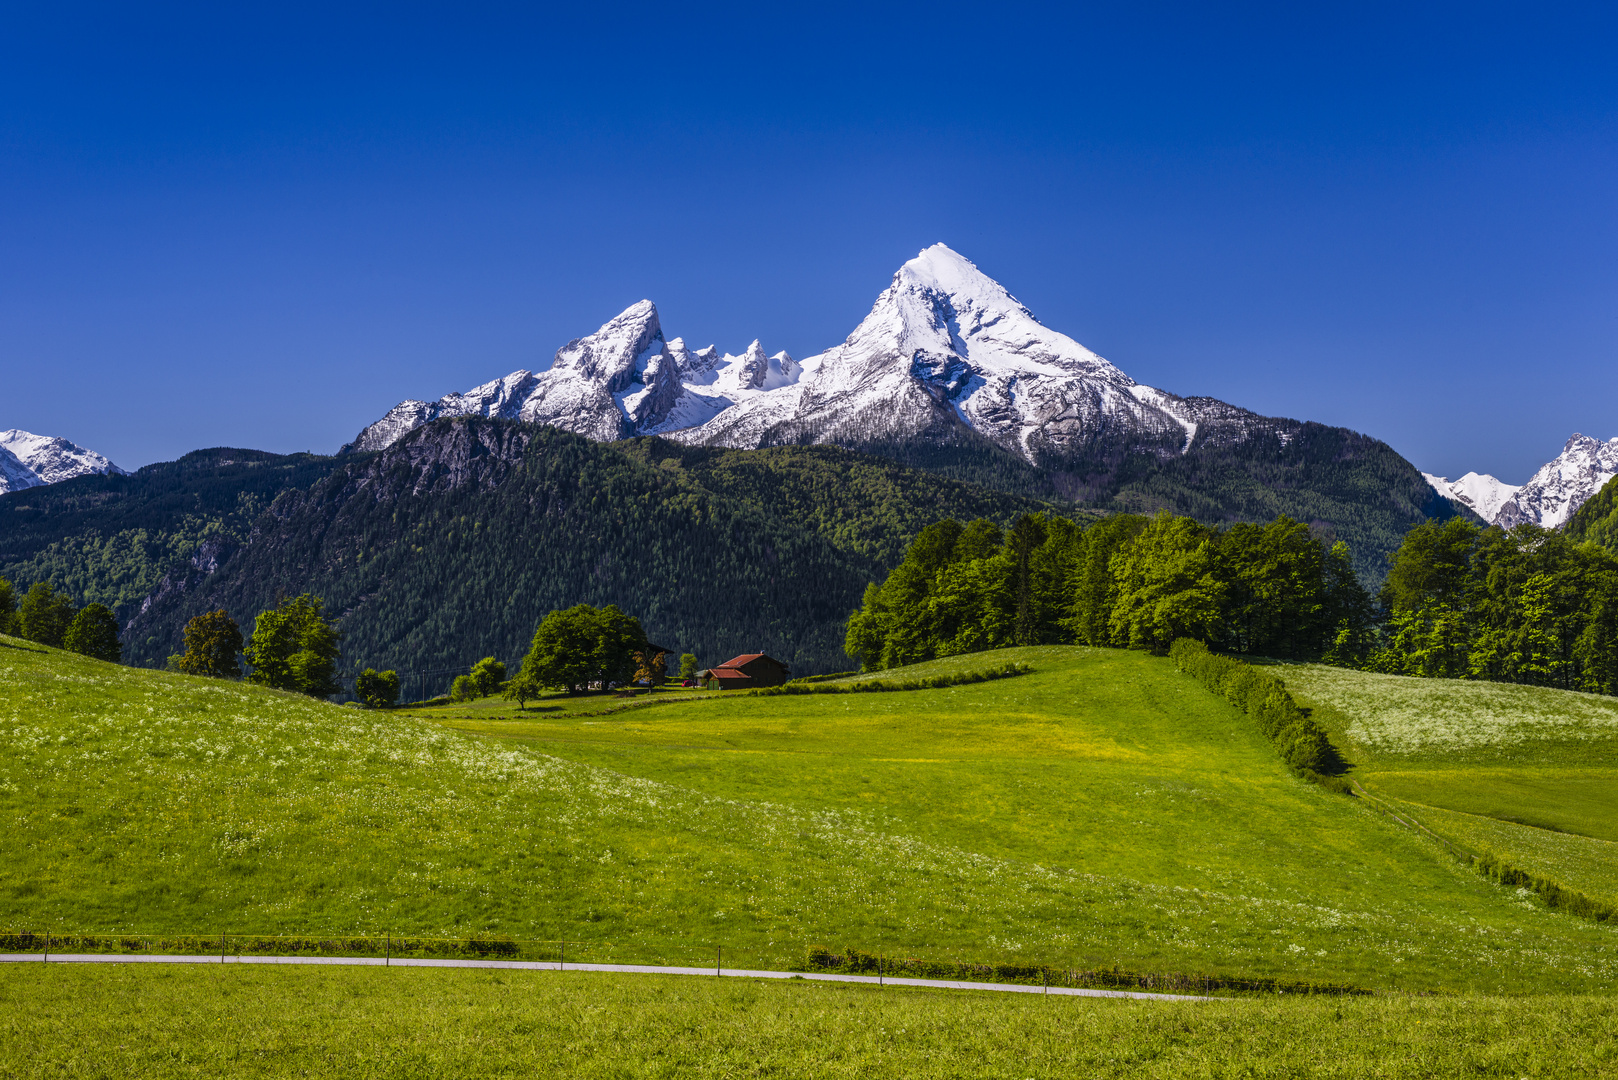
(749, 670)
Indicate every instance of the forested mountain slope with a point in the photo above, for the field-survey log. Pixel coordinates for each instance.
(452, 543)
(1597, 520)
(112, 539)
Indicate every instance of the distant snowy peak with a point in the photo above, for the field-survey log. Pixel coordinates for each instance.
(1563, 484)
(1484, 494)
(28, 460)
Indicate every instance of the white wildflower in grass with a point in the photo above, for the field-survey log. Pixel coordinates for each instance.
(1400, 714)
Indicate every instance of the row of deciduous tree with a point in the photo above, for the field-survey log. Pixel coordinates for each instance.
(50, 618)
(1127, 580)
(1528, 605)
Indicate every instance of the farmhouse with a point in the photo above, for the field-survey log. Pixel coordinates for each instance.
(750, 670)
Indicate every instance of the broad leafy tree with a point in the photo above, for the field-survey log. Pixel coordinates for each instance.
(651, 667)
(576, 647)
(94, 632)
(1126, 581)
(1525, 605)
(212, 642)
(377, 688)
(45, 615)
(487, 675)
(688, 665)
(293, 647)
(8, 608)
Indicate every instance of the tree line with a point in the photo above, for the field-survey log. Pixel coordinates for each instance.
(1525, 605)
(1127, 581)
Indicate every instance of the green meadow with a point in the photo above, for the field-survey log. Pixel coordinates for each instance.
(1104, 810)
(1528, 773)
(365, 1022)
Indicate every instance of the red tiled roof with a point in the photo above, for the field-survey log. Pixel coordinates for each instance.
(727, 673)
(744, 658)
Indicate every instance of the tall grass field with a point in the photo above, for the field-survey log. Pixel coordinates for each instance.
(1104, 810)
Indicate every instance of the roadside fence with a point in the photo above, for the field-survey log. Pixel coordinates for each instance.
(567, 952)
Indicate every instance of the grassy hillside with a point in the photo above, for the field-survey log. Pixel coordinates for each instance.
(1529, 773)
(1104, 810)
(242, 1021)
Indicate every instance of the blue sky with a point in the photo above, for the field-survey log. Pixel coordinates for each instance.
(227, 226)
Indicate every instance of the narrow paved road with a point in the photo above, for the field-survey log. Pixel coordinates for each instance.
(535, 965)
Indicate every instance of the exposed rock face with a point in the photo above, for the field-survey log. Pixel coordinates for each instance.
(28, 460)
(1563, 484)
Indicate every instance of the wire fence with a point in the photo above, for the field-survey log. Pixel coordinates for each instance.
(566, 952)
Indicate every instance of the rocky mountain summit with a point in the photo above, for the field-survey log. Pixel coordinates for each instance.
(1551, 495)
(1563, 484)
(623, 380)
(946, 351)
(28, 460)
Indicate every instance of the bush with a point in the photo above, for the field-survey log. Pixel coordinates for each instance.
(463, 689)
(1301, 742)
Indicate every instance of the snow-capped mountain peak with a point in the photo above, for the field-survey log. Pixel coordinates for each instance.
(1562, 484)
(945, 350)
(28, 460)
(1485, 494)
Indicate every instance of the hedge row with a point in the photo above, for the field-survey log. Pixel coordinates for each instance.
(935, 682)
(854, 962)
(1554, 893)
(1301, 742)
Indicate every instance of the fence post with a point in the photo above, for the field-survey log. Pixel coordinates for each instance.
(1045, 976)
(387, 951)
(47, 947)
(718, 958)
(561, 963)
(221, 946)
(879, 971)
